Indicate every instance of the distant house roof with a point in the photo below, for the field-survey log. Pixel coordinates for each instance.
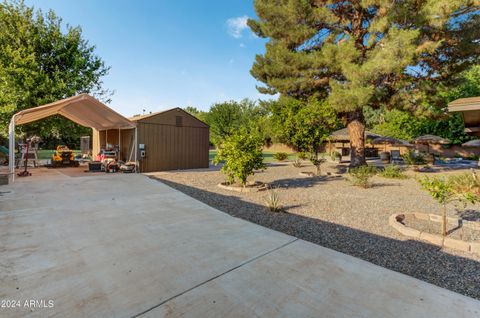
(342, 135)
(470, 110)
(464, 104)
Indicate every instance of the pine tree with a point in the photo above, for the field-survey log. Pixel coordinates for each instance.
(362, 53)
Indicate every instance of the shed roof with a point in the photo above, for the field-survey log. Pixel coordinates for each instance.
(82, 109)
(165, 112)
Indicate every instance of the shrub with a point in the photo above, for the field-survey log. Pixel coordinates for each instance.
(412, 158)
(317, 162)
(242, 154)
(472, 157)
(297, 163)
(466, 183)
(273, 200)
(302, 155)
(463, 189)
(280, 156)
(335, 155)
(393, 172)
(360, 176)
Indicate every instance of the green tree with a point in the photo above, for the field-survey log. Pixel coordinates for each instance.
(41, 61)
(303, 125)
(241, 154)
(227, 117)
(200, 114)
(404, 125)
(362, 53)
(463, 188)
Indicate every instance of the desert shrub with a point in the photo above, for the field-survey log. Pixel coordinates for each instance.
(393, 172)
(412, 158)
(466, 183)
(335, 155)
(302, 155)
(472, 157)
(280, 156)
(242, 154)
(297, 163)
(317, 162)
(360, 176)
(273, 200)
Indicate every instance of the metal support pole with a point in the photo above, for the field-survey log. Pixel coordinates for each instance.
(119, 144)
(136, 150)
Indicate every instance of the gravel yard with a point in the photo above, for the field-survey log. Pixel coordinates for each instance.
(332, 213)
(462, 233)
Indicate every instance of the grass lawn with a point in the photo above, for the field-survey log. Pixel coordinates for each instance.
(47, 153)
(267, 156)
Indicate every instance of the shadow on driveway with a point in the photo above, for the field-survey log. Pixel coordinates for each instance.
(414, 258)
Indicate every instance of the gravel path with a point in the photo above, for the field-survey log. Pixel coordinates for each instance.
(333, 213)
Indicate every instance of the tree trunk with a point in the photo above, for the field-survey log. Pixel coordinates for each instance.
(444, 220)
(356, 132)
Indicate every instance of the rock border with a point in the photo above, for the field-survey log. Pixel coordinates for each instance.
(438, 240)
(257, 186)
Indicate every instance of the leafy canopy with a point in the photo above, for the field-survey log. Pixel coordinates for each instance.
(369, 52)
(41, 61)
(403, 125)
(241, 154)
(304, 125)
(226, 118)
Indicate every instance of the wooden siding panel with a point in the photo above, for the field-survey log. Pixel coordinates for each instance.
(169, 147)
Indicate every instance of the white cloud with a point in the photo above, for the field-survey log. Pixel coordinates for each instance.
(242, 45)
(237, 25)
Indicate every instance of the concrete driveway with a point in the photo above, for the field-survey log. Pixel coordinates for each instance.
(128, 246)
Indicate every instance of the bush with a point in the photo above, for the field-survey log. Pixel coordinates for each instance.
(317, 162)
(412, 158)
(297, 163)
(464, 188)
(335, 155)
(273, 200)
(465, 184)
(393, 172)
(242, 154)
(472, 157)
(360, 176)
(302, 155)
(280, 156)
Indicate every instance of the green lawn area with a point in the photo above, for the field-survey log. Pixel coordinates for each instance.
(267, 156)
(47, 153)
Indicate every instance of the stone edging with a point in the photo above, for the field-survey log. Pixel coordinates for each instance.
(259, 187)
(472, 247)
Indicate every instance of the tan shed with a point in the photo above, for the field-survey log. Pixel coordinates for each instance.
(172, 139)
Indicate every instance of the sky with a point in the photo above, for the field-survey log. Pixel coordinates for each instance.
(168, 53)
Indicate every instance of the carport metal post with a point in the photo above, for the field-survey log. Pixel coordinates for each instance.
(119, 145)
(11, 148)
(136, 150)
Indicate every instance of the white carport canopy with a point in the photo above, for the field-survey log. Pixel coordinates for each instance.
(82, 109)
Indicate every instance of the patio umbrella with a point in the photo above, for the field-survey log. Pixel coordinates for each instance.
(472, 143)
(430, 139)
(390, 141)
